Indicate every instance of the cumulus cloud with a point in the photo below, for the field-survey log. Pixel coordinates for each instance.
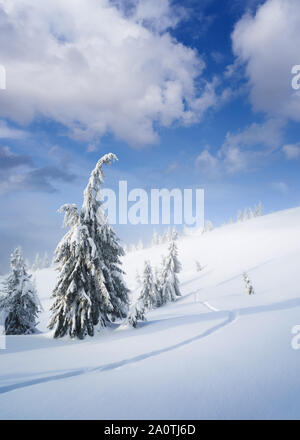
(207, 162)
(7, 132)
(18, 173)
(9, 160)
(267, 135)
(218, 57)
(268, 42)
(98, 69)
(280, 187)
(245, 149)
(291, 151)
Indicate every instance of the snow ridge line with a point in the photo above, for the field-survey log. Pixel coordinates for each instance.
(232, 316)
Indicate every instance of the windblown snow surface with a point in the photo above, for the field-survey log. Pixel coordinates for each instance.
(215, 353)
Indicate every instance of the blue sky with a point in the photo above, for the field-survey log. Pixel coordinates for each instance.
(186, 94)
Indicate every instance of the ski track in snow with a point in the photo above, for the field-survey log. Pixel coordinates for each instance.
(232, 316)
(210, 307)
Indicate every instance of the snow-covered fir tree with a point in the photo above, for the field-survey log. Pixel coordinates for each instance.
(198, 266)
(148, 294)
(37, 263)
(245, 215)
(167, 235)
(157, 284)
(140, 245)
(171, 267)
(132, 248)
(90, 290)
(250, 214)
(160, 239)
(208, 226)
(248, 284)
(258, 210)
(138, 279)
(46, 261)
(240, 216)
(19, 304)
(155, 239)
(136, 313)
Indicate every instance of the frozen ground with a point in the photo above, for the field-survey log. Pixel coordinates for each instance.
(215, 353)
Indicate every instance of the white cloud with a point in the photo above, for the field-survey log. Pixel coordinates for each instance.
(96, 70)
(292, 151)
(280, 187)
(267, 136)
(218, 57)
(244, 150)
(207, 162)
(157, 14)
(7, 132)
(268, 43)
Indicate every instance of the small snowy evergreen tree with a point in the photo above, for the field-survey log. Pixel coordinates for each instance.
(166, 236)
(157, 284)
(198, 266)
(20, 303)
(136, 313)
(245, 215)
(155, 239)
(140, 245)
(258, 210)
(90, 289)
(37, 263)
(240, 216)
(208, 226)
(148, 292)
(248, 284)
(160, 239)
(46, 261)
(138, 279)
(171, 267)
(132, 248)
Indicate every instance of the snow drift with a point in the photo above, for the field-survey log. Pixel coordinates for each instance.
(214, 353)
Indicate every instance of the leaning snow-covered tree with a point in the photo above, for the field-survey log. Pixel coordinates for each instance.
(148, 294)
(169, 289)
(19, 304)
(90, 289)
(248, 284)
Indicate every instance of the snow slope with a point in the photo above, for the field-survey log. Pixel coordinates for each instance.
(215, 353)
